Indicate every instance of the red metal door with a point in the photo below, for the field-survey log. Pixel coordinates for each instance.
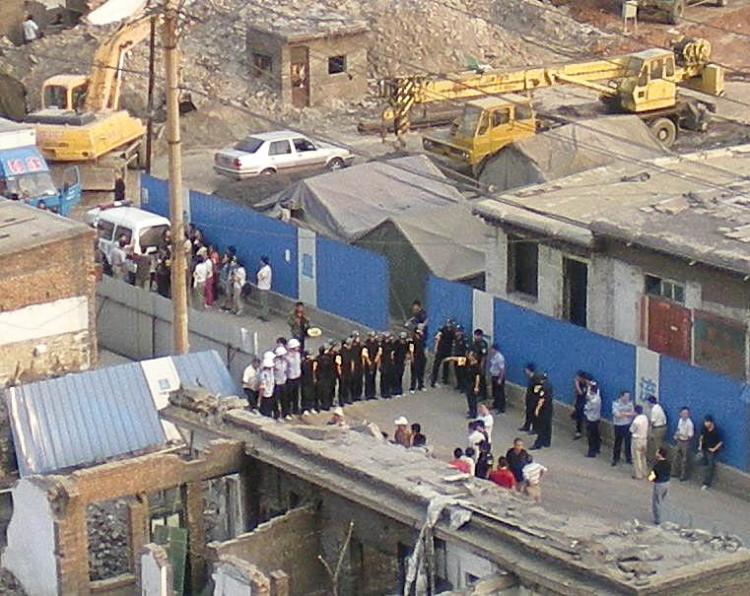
(669, 328)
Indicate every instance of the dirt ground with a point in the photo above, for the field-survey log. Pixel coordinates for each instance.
(727, 28)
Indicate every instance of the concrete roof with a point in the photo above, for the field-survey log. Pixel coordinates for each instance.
(314, 24)
(23, 227)
(554, 552)
(694, 206)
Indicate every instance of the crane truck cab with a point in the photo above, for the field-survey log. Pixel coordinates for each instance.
(485, 126)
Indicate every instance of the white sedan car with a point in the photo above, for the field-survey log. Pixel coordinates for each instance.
(270, 152)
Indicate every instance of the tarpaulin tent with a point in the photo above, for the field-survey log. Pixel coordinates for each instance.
(570, 149)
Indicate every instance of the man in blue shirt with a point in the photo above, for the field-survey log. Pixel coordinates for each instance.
(623, 412)
(497, 375)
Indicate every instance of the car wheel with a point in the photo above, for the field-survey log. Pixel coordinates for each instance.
(268, 172)
(336, 163)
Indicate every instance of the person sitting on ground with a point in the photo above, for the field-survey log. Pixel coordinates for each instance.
(459, 462)
(502, 476)
(470, 457)
(417, 438)
(517, 458)
(484, 461)
(251, 383)
(477, 434)
(402, 434)
(337, 418)
(532, 475)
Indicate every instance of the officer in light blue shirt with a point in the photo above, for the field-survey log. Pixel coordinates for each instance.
(496, 367)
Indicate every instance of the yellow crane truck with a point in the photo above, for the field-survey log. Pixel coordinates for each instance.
(495, 115)
(81, 121)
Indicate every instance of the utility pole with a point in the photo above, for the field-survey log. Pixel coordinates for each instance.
(151, 69)
(176, 209)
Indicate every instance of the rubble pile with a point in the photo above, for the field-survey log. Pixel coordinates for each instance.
(109, 553)
(9, 585)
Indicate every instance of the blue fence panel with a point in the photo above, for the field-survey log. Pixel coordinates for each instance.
(352, 283)
(155, 195)
(561, 349)
(448, 300)
(254, 235)
(704, 393)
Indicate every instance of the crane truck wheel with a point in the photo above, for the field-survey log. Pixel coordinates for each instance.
(664, 130)
(678, 9)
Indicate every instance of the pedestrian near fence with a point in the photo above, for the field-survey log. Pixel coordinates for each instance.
(709, 444)
(593, 413)
(639, 438)
(659, 476)
(683, 438)
(658, 430)
(264, 279)
(623, 413)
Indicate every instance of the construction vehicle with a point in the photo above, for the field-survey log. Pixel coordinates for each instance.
(671, 10)
(81, 120)
(644, 83)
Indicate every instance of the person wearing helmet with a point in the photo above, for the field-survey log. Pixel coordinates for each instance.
(266, 387)
(358, 367)
(400, 353)
(418, 360)
(280, 375)
(443, 348)
(370, 361)
(294, 379)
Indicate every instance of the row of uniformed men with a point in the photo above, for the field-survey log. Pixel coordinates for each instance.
(290, 380)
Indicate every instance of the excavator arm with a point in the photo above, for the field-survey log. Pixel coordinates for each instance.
(106, 74)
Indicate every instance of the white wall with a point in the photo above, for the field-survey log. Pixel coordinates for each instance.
(68, 315)
(460, 562)
(228, 581)
(628, 292)
(155, 572)
(30, 554)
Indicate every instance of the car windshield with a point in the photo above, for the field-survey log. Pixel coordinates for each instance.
(32, 186)
(249, 145)
(152, 237)
(469, 120)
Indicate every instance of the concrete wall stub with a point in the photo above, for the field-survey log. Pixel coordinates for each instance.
(463, 567)
(30, 554)
(156, 571)
(234, 577)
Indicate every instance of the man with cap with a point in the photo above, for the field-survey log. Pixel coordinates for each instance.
(402, 434)
(387, 366)
(280, 375)
(346, 369)
(294, 379)
(325, 376)
(530, 401)
(309, 389)
(358, 367)
(443, 348)
(459, 351)
(418, 359)
(370, 359)
(481, 348)
(266, 387)
(400, 352)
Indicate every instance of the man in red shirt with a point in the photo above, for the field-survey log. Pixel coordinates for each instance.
(502, 476)
(459, 462)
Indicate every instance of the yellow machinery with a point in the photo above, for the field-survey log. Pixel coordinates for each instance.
(643, 83)
(80, 119)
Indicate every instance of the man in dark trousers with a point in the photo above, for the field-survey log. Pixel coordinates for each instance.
(370, 359)
(443, 349)
(418, 360)
(459, 352)
(400, 352)
(530, 400)
(357, 367)
(543, 412)
(709, 445)
(346, 368)
(418, 318)
(325, 376)
(119, 190)
(474, 375)
(660, 476)
(387, 366)
(481, 348)
(309, 394)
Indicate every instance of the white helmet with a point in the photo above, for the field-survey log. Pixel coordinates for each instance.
(293, 344)
(280, 351)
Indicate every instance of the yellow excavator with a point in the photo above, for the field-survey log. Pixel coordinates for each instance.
(495, 114)
(81, 120)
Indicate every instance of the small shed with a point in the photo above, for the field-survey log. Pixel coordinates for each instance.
(308, 60)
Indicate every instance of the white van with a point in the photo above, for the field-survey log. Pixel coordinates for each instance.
(143, 230)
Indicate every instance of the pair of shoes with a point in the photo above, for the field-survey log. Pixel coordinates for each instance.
(683, 479)
(306, 413)
(522, 428)
(577, 436)
(314, 411)
(704, 487)
(288, 417)
(629, 462)
(535, 447)
(423, 388)
(411, 391)
(591, 455)
(613, 464)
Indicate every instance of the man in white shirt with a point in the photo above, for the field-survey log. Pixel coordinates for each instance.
(238, 277)
(658, 430)
(200, 277)
(30, 30)
(251, 382)
(683, 438)
(532, 474)
(268, 406)
(639, 433)
(264, 279)
(294, 374)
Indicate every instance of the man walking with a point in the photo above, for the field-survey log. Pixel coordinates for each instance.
(683, 438)
(31, 30)
(623, 413)
(659, 475)
(443, 348)
(658, 431)
(639, 435)
(543, 413)
(593, 414)
(473, 384)
(497, 376)
(418, 360)
(530, 401)
(264, 278)
(709, 445)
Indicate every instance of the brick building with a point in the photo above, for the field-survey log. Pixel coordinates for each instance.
(307, 61)
(47, 286)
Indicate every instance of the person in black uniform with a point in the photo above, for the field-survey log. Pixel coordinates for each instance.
(443, 349)
(530, 400)
(481, 348)
(387, 366)
(355, 389)
(370, 358)
(325, 376)
(543, 412)
(580, 387)
(346, 367)
(418, 359)
(400, 352)
(309, 393)
(473, 378)
(460, 350)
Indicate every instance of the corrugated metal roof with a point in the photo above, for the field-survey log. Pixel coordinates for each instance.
(89, 417)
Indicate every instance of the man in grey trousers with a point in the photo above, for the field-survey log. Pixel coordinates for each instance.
(659, 476)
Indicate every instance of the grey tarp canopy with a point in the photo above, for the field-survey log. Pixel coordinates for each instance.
(348, 203)
(570, 149)
(447, 241)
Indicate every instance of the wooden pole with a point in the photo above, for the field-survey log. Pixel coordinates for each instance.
(150, 108)
(176, 208)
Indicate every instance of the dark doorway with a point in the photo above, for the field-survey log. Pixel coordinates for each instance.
(575, 290)
(300, 76)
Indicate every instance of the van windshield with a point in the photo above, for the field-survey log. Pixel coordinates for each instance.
(249, 145)
(32, 186)
(152, 237)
